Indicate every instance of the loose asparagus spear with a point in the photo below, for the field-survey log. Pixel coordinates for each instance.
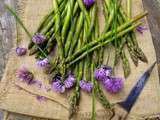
(104, 36)
(77, 33)
(72, 59)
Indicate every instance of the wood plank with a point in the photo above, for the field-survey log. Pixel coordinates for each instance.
(153, 7)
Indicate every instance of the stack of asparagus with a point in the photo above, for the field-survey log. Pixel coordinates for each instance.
(71, 31)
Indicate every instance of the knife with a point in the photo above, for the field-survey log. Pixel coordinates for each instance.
(122, 109)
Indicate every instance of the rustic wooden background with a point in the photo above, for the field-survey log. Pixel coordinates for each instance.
(7, 25)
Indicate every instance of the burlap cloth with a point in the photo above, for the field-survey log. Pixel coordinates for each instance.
(17, 97)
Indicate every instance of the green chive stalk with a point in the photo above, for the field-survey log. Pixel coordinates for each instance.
(93, 92)
(22, 25)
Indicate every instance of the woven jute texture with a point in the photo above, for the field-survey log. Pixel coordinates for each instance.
(18, 97)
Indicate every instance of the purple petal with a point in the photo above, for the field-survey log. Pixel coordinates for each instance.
(38, 38)
(102, 73)
(25, 75)
(43, 63)
(88, 3)
(58, 87)
(86, 86)
(141, 29)
(69, 82)
(113, 85)
(41, 98)
(21, 51)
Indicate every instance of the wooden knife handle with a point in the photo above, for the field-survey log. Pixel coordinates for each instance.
(119, 113)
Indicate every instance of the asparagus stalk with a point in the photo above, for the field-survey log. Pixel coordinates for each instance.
(47, 22)
(72, 60)
(70, 36)
(74, 101)
(101, 97)
(67, 20)
(104, 36)
(77, 33)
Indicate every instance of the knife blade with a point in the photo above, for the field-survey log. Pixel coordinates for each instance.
(122, 109)
(136, 90)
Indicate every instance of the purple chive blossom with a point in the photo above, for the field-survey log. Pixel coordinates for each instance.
(43, 63)
(102, 73)
(41, 98)
(113, 85)
(58, 86)
(88, 3)
(25, 75)
(69, 82)
(86, 86)
(38, 38)
(21, 51)
(141, 29)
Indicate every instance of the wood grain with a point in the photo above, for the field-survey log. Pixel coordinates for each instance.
(153, 7)
(7, 25)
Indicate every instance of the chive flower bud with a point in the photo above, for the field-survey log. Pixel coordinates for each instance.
(70, 81)
(103, 72)
(38, 38)
(88, 3)
(58, 86)
(113, 84)
(21, 51)
(43, 63)
(25, 75)
(86, 86)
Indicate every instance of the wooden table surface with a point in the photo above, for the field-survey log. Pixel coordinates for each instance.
(7, 25)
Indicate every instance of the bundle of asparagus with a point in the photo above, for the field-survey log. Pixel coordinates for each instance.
(71, 32)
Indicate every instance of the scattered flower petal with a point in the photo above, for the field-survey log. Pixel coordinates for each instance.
(25, 75)
(86, 86)
(21, 51)
(38, 84)
(69, 82)
(102, 73)
(113, 85)
(141, 29)
(41, 98)
(38, 38)
(88, 3)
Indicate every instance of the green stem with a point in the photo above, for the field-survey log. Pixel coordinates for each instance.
(82, 7)
(72, 61)
(70, 36)
(77, 33)
(93, 93)
(22, 25)
(57, 29)
(18, 20)
(104, 36)
(67, 20)
(129, 8)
